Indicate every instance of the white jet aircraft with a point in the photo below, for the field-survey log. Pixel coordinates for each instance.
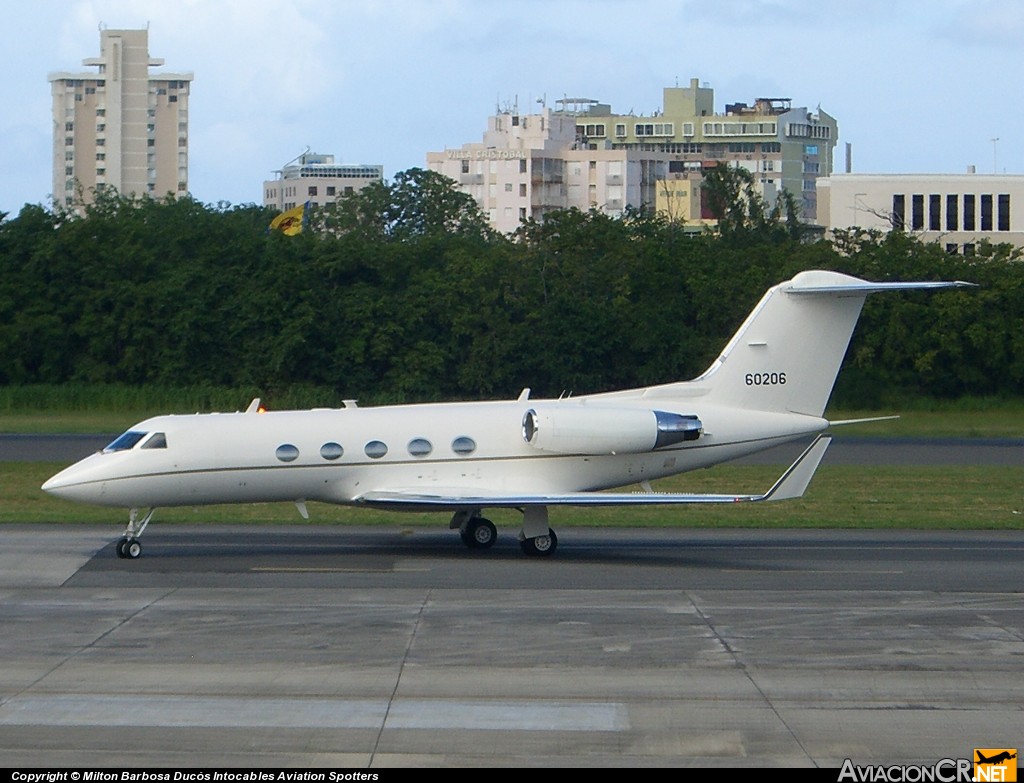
(770, 385)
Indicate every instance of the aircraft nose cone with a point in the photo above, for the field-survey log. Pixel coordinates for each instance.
(72, 483)
(56, 484)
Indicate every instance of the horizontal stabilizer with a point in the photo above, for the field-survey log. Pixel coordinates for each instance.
(865, 287)
(791, 484)
(870, 420)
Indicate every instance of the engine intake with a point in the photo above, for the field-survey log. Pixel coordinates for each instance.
(579, 429)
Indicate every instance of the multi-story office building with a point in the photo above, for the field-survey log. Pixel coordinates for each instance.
(958, 210)
(120, 126)
(317, 179)
(582, 155)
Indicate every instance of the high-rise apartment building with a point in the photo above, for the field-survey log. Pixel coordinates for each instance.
(121, 126)
(582, 155)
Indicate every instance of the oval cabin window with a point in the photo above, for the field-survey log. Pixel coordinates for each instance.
(331, 450)
(420, 447)
(375, 449)
(287, 452)
(463, 445)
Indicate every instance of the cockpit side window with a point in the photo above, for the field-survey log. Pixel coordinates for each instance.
(125, 442)
(157, 441)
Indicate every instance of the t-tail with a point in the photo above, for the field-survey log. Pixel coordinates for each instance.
(786, 355)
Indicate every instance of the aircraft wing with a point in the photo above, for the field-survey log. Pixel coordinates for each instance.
(791, 484)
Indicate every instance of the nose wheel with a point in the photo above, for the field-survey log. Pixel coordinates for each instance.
(129, 548)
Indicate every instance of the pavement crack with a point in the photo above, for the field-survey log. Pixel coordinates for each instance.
(401, 671)
(86, 647)
(746, 673)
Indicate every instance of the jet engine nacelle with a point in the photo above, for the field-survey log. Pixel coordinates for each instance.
(578, 429)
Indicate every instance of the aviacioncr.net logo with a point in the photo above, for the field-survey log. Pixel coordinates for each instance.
(942, 771)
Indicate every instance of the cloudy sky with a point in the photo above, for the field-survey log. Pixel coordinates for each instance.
(916, 85)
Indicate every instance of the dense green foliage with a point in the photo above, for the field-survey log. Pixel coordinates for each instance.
(402, 292)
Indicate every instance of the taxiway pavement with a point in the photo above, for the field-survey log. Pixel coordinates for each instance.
(346, 647)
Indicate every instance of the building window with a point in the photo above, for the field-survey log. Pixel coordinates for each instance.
(917, 212)
(968, 249)
(1004, 212)
(952, 249)
(899, 211)
(522, 165)
(331, 190)
(312, 190)
(968, 215)
(620, 130)
(934, 212)
(952, 212)
(655, 129)
(986, 212)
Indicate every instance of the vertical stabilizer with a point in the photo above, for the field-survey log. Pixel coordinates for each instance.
(786, 355)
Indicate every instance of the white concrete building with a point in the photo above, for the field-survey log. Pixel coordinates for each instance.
(957, 210)
(120, 126)
(317, 179)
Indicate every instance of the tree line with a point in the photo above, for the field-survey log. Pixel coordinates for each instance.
(403, 292)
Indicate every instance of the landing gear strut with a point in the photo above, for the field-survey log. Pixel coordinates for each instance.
(537, 539)
(129, 547)
(540, 546)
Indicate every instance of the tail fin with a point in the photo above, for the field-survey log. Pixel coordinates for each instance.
(786, 355)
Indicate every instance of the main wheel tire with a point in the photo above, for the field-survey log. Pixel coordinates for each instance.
(540, 546)
(482, 533)
(132, 548)
(479, 533)
(120, 548)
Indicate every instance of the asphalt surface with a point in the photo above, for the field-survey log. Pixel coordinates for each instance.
(339, 648)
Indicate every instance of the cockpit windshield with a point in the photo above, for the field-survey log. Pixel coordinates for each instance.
(125, 442)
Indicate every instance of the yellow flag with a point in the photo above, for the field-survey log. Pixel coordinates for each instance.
(290, 222)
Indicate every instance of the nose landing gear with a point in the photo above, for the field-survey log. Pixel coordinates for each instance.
(128, 547)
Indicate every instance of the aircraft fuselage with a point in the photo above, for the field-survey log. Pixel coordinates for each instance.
(336, 456)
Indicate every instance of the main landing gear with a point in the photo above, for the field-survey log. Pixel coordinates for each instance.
(536, 538)
(129, 547)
